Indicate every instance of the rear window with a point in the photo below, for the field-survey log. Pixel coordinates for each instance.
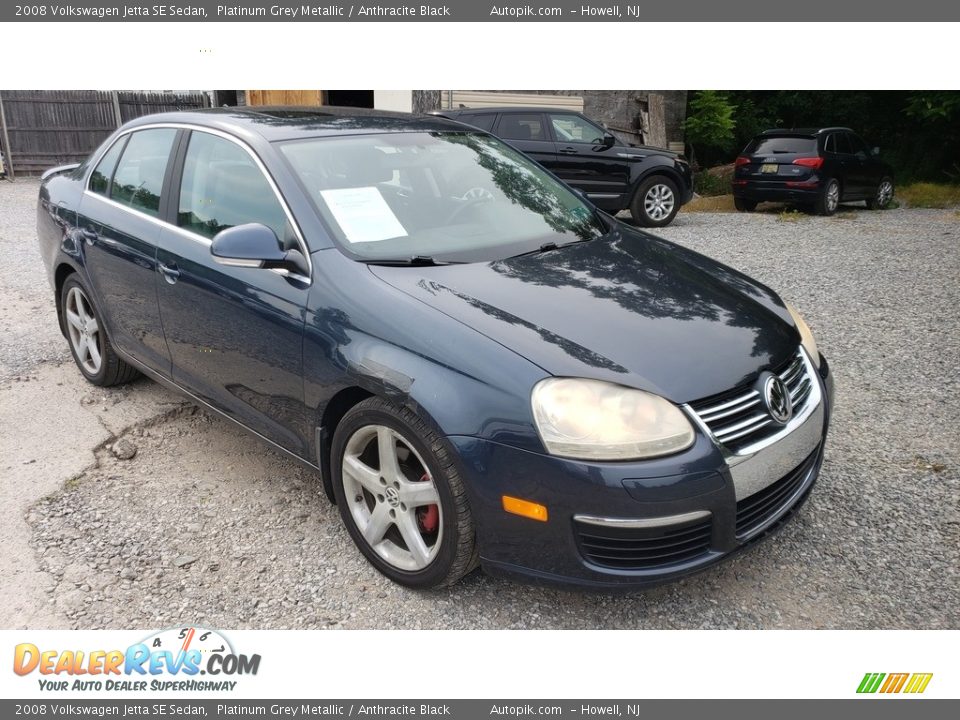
(483, 121)
(782, 145)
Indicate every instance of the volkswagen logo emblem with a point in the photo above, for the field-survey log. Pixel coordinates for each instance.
(776, 397)
(393, 497)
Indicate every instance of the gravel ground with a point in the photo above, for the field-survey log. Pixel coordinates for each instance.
(29, 335)
(175, 515)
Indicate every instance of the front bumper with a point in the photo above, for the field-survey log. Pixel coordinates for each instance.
(700, 500)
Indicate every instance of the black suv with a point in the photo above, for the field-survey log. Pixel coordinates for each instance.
(651, 182)
(817, 169)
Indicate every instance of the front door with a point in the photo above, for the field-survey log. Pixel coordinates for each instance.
(235, 333)
(599, 170)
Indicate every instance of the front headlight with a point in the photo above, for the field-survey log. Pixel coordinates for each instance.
(594, 420)
(806, 337)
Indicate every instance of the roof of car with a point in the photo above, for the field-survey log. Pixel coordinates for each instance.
(803, 131)
(501, 109)
(289, 123)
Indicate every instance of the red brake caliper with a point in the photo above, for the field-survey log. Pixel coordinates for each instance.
(428, 516)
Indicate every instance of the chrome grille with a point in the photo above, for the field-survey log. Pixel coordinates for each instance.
(739, 418)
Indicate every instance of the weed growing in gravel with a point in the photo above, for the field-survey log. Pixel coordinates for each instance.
(790, 216)
(930, 195)
(925, 464)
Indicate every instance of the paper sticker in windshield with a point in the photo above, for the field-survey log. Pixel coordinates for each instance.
(363, 214)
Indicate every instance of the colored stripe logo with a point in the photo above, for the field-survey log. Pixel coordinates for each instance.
(913, 683)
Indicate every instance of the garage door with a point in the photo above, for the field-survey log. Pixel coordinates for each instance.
(479, 99)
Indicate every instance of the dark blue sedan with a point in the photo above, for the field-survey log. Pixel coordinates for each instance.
(482, 367)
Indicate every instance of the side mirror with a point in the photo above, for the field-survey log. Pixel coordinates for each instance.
(255, 246)
(875, 151)
(609, 140)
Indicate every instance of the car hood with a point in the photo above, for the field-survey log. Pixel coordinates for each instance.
(629, 309)
(652, 149)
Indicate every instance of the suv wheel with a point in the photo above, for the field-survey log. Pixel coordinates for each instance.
(883, 195)
(744, 205)
(401, 497)
(655, 203)
(829, 198)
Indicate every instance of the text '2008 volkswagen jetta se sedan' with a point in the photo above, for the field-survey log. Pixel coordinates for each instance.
(483, 368)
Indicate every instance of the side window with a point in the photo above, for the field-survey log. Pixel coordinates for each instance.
(573, 128)
(139, 176)
(843, 143)
(521, 126)
(830, 145)
(103, 173)
(857, 145)
(222, 187)
(483, 121)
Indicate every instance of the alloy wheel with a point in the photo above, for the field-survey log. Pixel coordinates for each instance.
(884, 193)
(658, 202)
(392, 497)
(833, 196)
(84, 331)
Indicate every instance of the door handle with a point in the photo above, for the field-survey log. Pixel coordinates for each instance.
(569, 151)
(170, 272)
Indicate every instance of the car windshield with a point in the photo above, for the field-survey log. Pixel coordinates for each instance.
(782, 145)
(445, 196)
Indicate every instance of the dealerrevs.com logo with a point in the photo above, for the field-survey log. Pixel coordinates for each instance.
(170, 660)
(890, 683)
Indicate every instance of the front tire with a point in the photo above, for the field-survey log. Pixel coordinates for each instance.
(401, 496)
(655, 203)
(89, 342)
(884, 195)
(829, 199)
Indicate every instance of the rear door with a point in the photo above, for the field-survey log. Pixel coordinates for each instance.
(527, 132)
(846, 167)
(119, 221)
(235, 333)
(600, 171)
(867, 170)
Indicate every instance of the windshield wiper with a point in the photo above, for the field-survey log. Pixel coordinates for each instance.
(416, 260)
(548, 246)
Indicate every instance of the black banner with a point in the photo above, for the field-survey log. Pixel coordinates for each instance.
(471, 11)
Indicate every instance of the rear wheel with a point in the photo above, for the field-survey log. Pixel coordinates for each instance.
(744, 205)
(88, 338)
(655, 204)
(883, 196)
(829, 198)
(401, 497)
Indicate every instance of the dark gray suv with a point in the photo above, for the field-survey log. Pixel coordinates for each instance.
(650, 182)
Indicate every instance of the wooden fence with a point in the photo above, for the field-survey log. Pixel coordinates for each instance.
(41, 129)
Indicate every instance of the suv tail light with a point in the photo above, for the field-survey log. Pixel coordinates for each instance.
(811, 162)
(742, 161)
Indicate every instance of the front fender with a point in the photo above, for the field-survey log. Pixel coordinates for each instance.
(660, 168)
(390, 344)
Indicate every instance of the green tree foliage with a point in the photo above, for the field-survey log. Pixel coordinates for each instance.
(710, 124)
(918, 132)
(936, 106)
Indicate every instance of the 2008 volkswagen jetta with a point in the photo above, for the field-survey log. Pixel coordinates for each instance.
(483, 368)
